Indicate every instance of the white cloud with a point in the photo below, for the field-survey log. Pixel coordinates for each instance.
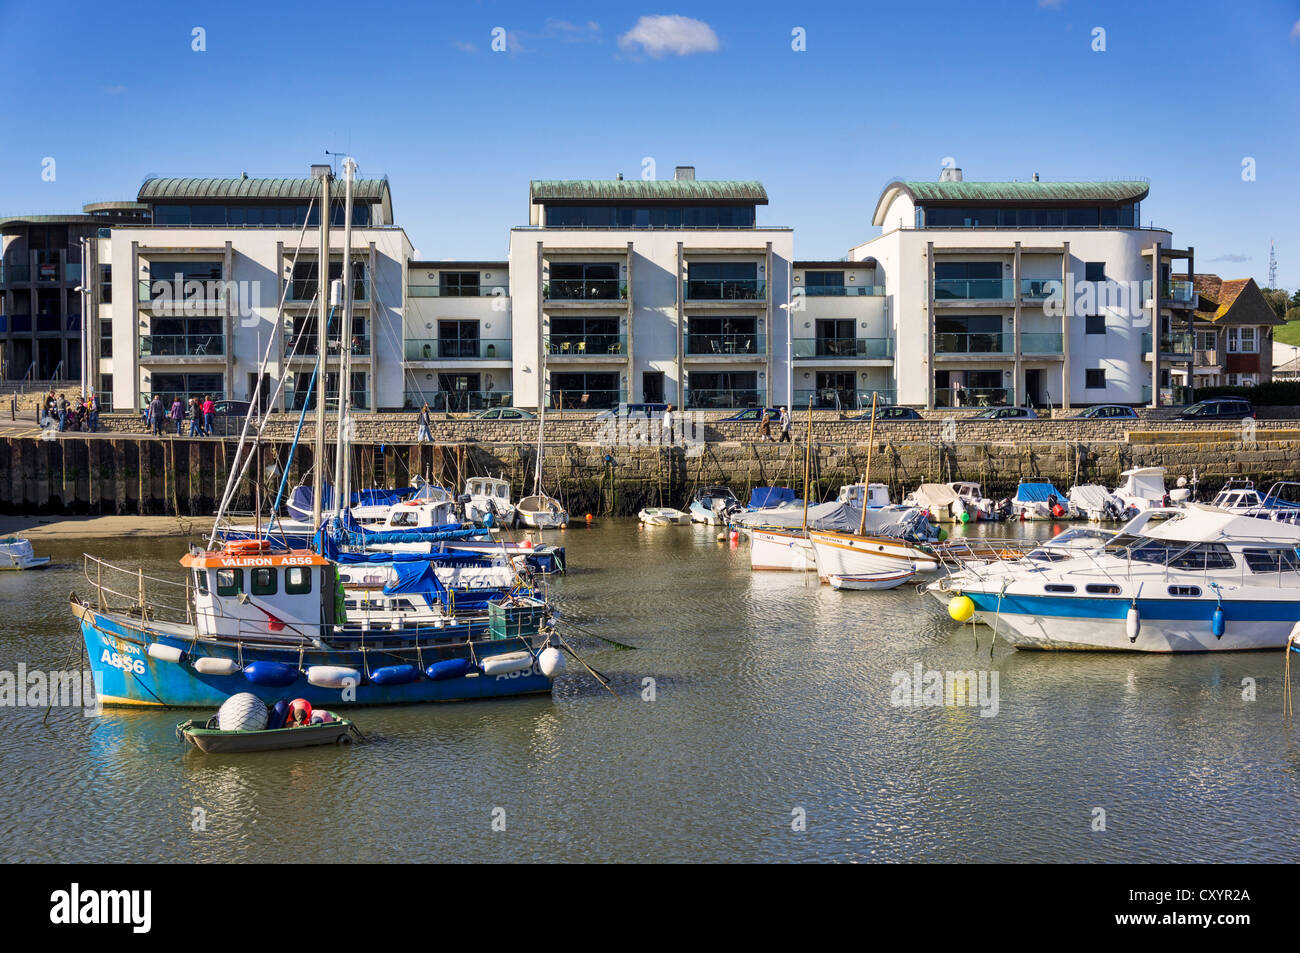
(661, 35)
(1295, 31)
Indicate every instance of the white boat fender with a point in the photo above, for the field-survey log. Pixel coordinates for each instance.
(507, 663)
(333, 676)
(165, 652)
(215, 666)
(1133, 624)
(551, 661)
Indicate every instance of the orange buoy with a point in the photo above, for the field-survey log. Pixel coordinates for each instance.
(240, 547)
(588, 517)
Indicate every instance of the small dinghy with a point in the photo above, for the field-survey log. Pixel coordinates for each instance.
(875, 580)
(663, 516)
(16, 553)
(208, 737)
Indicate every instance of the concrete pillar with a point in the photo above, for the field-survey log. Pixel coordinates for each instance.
(1155, 325)
(1017, 374)
(1066, 315)
(929, 364)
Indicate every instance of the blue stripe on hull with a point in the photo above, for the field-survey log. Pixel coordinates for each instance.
(1172, 610)
(112, 650)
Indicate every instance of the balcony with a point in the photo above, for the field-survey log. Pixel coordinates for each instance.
(163, 294)
(1171, 345)
(457, 401)
(303, 291)
(49, 323)
(706, 399)
(831, 398)
(584, 289)
(973, 289)
(15, 274)
(842, 291)
(587, 345)
(1040, 289)
(1042, 342)
(865, 349)
(585, 399)
(439, 291)
(305, 347)
(20, 323)
(451, 349)
(726, 289)
(974, 397)
(182, 345)
(974, 342)
(725, 345)
(1206, 358)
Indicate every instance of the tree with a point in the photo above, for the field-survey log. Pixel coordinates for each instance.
(1277, 300)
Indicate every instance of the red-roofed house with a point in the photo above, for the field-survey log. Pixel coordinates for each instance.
(1234, 333)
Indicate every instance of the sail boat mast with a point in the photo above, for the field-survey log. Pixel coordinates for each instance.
(322, 347)
(343, 491)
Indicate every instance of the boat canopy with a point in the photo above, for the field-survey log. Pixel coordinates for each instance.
(1092, 496)
(934, 495)
(421, 578)
(1200, 523)
(715, 493)
(1037, 493)
(300, 500)
(835, 516)
(763, 497)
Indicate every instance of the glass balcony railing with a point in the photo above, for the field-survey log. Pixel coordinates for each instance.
(974, 397)
(20, 323)
(182, 345)
(360, 399)
(974, 342)
(970, 289)
(1040, 289)
(842, 399)
(725, 345)
(587, 345)
(305, 289)
(306, 345)
(860, 348)
(698, 398)
(450, 349)
(15, 274)
(198, 294)
(72, 273)
(1177, 345)
(585, 399)
(441, 291)
(842, 291)
(1041, 342)
(456, 401)
(579, 289)
(726, 289)
(49, 322)
(1179, 290)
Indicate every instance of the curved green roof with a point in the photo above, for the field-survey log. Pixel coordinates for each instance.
(541, 191)
(1116, 191)
(160, 189)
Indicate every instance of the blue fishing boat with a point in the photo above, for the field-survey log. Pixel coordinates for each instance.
(249, 619)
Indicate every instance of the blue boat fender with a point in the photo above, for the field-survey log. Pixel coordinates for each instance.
(278, 714)
(449, 668)
(271, 674)
(394, 675)
(1218, 624)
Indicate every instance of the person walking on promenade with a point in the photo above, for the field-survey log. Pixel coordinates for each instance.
(668, 424)
(209, 409)
(92, 412)
(785, 426)
(196, 418)
(63, 407)
(765, 425)
(156, 415)
(424, 433)
(177, 414)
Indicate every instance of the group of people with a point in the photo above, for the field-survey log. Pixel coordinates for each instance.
(200, 414)
(81, 415)
(764, 429)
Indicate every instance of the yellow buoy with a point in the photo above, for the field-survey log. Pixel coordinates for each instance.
(961, 608)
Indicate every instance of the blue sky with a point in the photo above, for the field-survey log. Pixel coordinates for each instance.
(1182, 94)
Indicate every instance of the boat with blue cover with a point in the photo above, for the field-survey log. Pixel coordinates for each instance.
(248, 619)
(1039, 501)
(770, 497)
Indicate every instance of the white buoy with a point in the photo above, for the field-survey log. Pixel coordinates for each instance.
(1133, 623)
(242, 712)
(167, 653)
(333, 676)
(215, 666)
(551, 661)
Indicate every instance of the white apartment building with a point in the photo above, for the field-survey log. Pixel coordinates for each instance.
(1015, 292)
(195, 294)
(630, 291)
(843, 336)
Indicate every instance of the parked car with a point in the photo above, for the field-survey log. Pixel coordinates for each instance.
(1108, 412)
(1006, 413)
(651, 411)
(231, 408)
(1219, 408)
(505, 413)
(752, 415)
(890, 412)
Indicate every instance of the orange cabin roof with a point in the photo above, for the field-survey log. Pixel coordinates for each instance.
(220, 559)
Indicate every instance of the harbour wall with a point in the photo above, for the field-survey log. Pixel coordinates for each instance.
(603, 472)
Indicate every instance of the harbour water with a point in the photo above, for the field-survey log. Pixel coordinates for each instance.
(773, 706)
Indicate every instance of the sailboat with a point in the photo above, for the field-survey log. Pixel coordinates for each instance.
(539, 510)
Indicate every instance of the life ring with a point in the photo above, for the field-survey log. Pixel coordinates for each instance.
(244, 546)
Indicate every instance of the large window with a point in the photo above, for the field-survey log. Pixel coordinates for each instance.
(818, 283)
(723, 281)
(654, 216)
(184, 386)
(458, 339)
(723, 389)
(581, 281)
(973, 334)
(1243, 340)
(458, 284)
(1124, 216)
(585, 391)
(261, 215)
